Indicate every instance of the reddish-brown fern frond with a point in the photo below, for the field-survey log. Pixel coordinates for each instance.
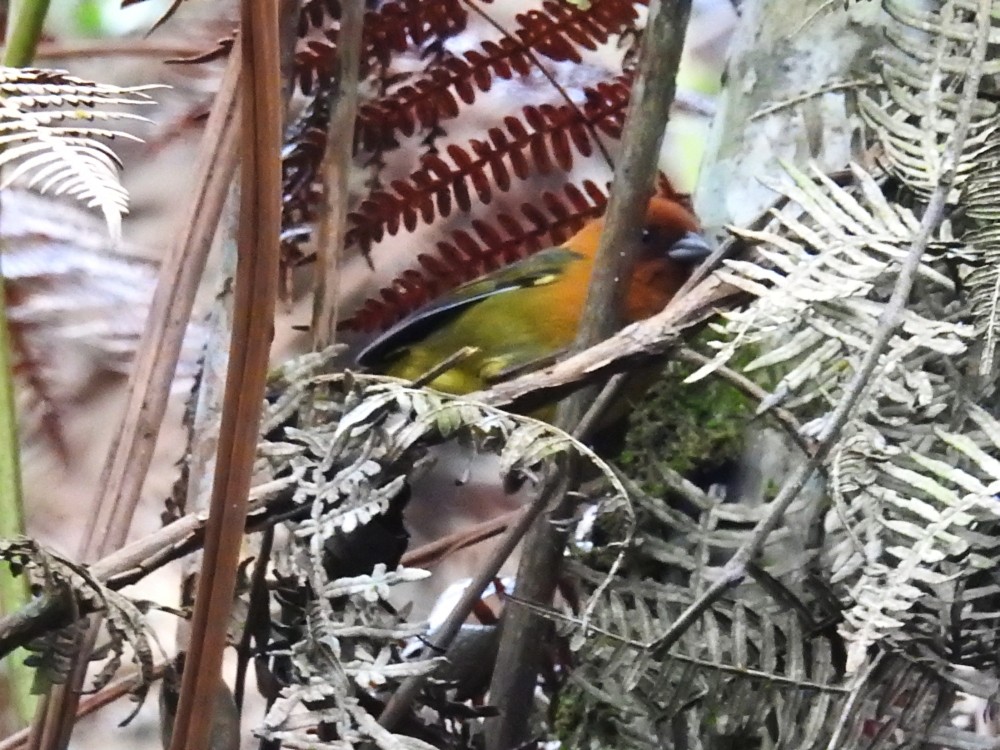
(555, 33)
(305, 144)
(560, 28)
(29, 368)
(393, 28)
(464, 256)
(545, 143)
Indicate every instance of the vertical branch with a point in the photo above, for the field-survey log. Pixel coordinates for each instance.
(645, 125)
(253, 328)
(524, 632)
(24, 28)
(337, 163)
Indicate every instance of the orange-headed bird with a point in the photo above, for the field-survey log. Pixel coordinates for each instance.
(532, 308)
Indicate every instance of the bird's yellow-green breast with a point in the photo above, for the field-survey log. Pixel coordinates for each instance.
(524, 312)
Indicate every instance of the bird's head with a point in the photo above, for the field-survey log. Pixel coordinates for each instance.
(672, 247)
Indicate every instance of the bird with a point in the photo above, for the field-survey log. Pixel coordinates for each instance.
(531, 309)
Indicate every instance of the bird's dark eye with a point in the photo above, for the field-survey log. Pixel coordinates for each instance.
(647, 236)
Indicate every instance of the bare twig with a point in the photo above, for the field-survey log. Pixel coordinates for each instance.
(857, 83)
(634, 345)
(258, 608)
(736, 569)
(255, 293)
(337, 162)
(117, 48)
(434, 552)
(444, 365)
(441, 638)
(184, 536)
(553, 81)
(516, 673)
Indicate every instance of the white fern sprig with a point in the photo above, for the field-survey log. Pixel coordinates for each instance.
(44, 130)
(831, 253)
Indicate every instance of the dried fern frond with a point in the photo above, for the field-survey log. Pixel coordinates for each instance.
(392, 28)
(123, 620)
(925, 67)
(45, 136)
(346, 446)
(925, 71)
(545, 145)
(832, 261)
(555, 31)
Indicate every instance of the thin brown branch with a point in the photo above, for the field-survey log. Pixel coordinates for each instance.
(736, 569)
(337, 163)
(434, 552)
(143, 47)
(253, 328)
(186, 535)
(634, 345)
(439, 641)
(131, 451)
(553, 81)
(516, 673)
(124, 567)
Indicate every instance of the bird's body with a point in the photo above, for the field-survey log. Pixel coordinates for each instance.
(532, 308)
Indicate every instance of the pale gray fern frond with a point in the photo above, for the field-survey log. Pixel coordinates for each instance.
(766, 664)
(830, 261)
(832, 255)
(925, 67)
(45, 134)
(939, 511)
(763, 666)
(980, 201)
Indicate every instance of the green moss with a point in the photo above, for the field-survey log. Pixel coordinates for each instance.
(692, 428)
(578, 722)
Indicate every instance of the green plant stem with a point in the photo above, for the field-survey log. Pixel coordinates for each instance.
(24, 29)
(14, 592)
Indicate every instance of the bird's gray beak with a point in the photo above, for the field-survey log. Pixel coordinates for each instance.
(691, 248)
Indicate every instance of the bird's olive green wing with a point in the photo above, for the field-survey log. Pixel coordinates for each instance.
(543, 267)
